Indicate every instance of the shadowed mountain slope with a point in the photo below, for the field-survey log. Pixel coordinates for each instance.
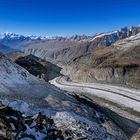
(39, 67)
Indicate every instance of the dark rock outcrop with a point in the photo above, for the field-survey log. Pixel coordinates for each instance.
(13, 126)
(38, 67)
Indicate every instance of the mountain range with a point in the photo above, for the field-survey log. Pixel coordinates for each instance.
(30, 62)
(17, 41)
(99, 58)
(111, 57)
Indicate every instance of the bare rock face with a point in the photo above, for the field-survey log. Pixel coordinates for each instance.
(38, 67)
(13, 126)
(123, 76)
(114, 64)
(118, 72)
(103, 74)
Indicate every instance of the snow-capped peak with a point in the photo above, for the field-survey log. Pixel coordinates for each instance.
(118, 34)
(111, 37)
(10, 35)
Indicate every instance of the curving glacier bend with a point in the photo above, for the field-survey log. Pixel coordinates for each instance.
(123, 101)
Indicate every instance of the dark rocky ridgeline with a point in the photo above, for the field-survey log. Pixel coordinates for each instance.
(39, 67)
(15, 126)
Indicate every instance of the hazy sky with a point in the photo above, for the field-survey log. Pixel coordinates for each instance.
(67, 17)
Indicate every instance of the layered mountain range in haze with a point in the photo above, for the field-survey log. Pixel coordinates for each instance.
(17, 41)
(103, 57)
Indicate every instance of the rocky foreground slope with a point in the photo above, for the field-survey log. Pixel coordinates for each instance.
(18, 126)
(26, 93)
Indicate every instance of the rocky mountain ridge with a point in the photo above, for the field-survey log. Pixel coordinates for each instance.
(118, 64)
(19, 42)
(66, 50)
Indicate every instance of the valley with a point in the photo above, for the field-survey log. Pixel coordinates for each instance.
(123, 101)
(91, 79)
(69, 69)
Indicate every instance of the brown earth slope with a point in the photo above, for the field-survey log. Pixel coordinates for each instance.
(115, 64)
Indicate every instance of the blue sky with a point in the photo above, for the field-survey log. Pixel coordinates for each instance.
(67, 17)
